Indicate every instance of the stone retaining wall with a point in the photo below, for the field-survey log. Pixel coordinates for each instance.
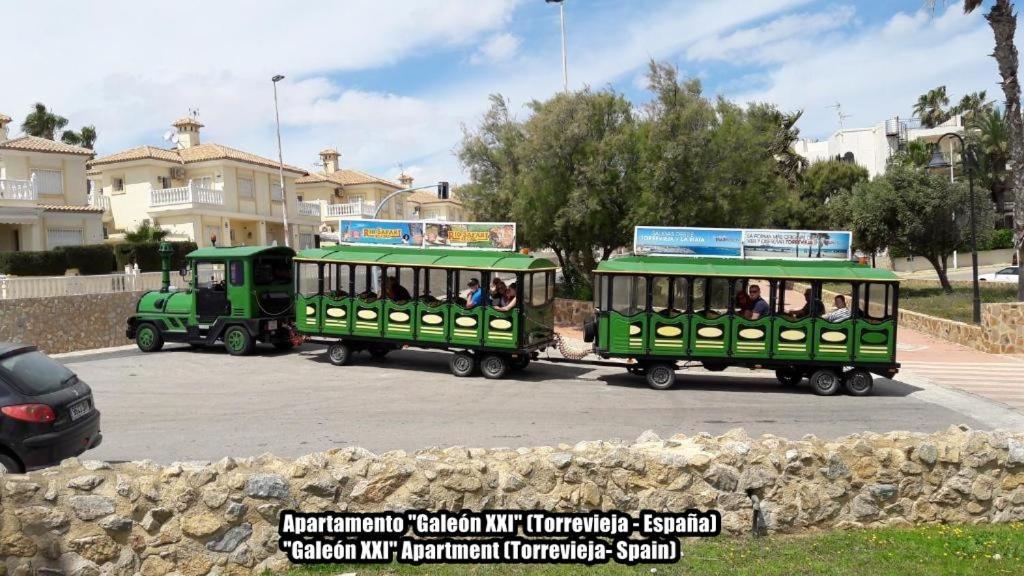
(572, 313)
(68, 323)
(90, 518)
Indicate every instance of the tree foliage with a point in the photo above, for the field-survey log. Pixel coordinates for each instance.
(45, 124)
(809, 206)
(585, 167)
(144, 234)
(931, 107)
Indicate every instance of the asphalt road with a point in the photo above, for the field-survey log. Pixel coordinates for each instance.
(183, 405)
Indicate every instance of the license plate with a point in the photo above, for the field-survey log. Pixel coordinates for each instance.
(272, 325)
(79, 409)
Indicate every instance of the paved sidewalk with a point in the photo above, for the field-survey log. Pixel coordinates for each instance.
(992, 376)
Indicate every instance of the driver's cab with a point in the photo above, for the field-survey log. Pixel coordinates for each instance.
(240, 282)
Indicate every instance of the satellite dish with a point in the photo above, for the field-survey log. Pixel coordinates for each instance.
(174, 138)
(168, 135)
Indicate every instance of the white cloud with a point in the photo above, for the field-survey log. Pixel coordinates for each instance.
(498, 48)
(879, 72)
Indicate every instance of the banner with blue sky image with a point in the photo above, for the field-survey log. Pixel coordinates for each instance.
(738, 243)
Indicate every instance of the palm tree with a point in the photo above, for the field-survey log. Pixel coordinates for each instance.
(144, 233)
(43, 123)
(971, 105)
(86, 137)
(931, 107)
(1003, 22)
(990, 133)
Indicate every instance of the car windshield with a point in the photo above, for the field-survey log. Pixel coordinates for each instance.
(33, 373)
(272, 271)
(1012, 270)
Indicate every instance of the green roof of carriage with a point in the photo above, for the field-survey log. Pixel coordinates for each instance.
(737, 268)
(237, 251)
(428, 257)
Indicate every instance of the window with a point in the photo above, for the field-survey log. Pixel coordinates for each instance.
(237, 273)
(117, 184)
(629, 294)
(245, 187)
(711, 296)
(434, 285)
(838, 304)
(878, 301)
(49, 181)
(539, 294)
(399, 285)
(56, 237)
(598, 285)
(363, 282)
(209, 274)
(275, 192)
(274, 271)
(669, 294)
(33, 373)
(165, 182)
(309, 280)
(337, 280)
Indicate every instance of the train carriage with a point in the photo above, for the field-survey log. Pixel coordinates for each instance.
(378, 298)
(660, 310)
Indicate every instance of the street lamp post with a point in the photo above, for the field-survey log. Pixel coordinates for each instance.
(280, 166)
(967, 157)
(565, 65)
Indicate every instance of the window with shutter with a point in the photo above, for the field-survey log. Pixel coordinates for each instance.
(245, 187)
(49, 181)
(275, 192)
(57, 237)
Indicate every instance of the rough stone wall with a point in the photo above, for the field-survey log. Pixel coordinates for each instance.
(951, 330)
(68, 323)
(1004, 327)
(572, 312)
(90, 518)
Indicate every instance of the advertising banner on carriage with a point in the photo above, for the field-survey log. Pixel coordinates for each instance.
(802, 244)
(498, 236)
(676, 241)
(378, 232)
(739, 243)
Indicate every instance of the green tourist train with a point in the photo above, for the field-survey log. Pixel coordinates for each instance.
(657, 311)
(379, 298)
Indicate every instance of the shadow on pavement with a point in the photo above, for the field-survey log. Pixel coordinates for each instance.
(709, 382)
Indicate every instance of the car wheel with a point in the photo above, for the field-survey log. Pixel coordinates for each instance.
(238, 341)
(789, 376)
(825, 382)
(494, 366)
(9, 465)
(148, 338)
(661, 376)
(339, 353)
(462, 364)
(858, 382)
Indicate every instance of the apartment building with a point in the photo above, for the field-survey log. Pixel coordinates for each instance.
(207, 193)
(44, 200)
(347, 193)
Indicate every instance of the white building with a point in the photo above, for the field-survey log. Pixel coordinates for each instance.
(871, 147)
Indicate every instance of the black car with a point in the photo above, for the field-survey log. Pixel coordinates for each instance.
(46, 412)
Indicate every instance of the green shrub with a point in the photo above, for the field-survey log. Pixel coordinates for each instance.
(147, 255)
(43, 263)
(90, 259)
(1000, 240)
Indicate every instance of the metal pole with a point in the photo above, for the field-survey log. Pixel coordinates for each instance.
(380, 206)
(280, 167)
(976, 315)
(565, 65)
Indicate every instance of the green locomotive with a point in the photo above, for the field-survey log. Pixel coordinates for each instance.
(660, 310)
(378, 298)
(236, 295)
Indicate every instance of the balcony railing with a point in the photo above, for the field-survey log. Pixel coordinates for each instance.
(191, 194)
(99, 201)
(18, 190)
(309, 209)
(349, 210)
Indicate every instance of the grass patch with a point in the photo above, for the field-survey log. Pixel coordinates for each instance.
(928, 298)
(933, 550)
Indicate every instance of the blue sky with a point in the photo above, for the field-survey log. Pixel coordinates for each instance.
(392, 82)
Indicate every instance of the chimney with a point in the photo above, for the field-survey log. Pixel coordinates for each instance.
(188, 131)
(329, 158)
(405, 180)
(4, 121)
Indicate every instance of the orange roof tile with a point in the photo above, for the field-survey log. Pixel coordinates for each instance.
(347, 177)
(60, 208)
(37, 144)
(191, 155)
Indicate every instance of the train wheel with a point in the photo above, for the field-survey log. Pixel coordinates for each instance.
(494, 366)
(661, 376)
(789, 376)
(339, 353)
(378, 351)
(148, 338)
(826, 382)
(462, 364)
(858, 382)
(238, 341)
